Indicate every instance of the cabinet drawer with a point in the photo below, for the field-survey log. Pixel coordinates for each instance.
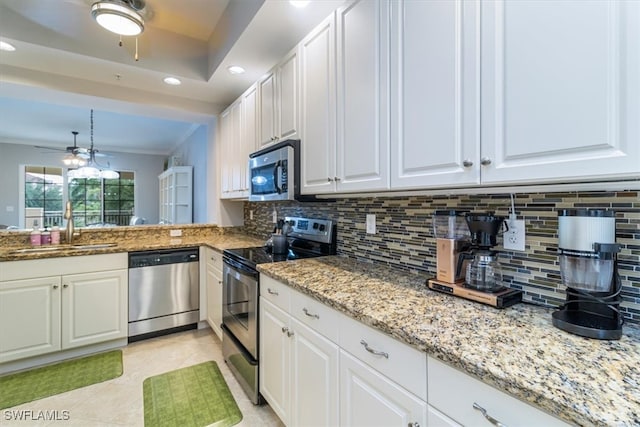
(453, 393)
(214, 259)
(275, 292)
(319, 317)
(402, 363)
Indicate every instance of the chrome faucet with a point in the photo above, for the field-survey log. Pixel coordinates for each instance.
(68, 215)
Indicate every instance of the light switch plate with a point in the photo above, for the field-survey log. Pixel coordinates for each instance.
(371, 224)
(514, 238)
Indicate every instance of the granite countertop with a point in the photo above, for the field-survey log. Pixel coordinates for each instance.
(219, 242)
(583, 381)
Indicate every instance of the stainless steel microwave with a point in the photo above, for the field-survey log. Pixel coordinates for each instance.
(273, 172)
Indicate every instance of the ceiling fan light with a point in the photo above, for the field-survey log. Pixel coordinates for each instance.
(109, 174)
(118, 18)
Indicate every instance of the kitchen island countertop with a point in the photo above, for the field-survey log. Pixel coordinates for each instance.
(517, 350)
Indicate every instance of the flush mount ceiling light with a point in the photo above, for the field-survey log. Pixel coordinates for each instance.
(299, 3)
(8, 47)
(235, 69)
(172, 81)
(119, 16)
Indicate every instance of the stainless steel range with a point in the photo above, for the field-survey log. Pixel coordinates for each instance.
(307, 238)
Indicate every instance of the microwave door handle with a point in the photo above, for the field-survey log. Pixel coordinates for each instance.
(276, 177)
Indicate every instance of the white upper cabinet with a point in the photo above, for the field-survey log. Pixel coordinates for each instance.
(344, 101)
(435, 94)
(362, 153)
(279, 101)
(317, 109)
(560, 90)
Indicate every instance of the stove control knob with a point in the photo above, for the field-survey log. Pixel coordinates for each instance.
(322, 227)
(315, 225)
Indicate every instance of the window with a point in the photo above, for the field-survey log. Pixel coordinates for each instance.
(98, 201)
(95, 201)
(43, 196)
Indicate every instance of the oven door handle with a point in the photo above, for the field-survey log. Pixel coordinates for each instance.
(241, 268)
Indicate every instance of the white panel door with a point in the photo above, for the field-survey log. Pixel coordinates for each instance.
(94, 307)
(249, 133)
(368, 398)
(29, 317)
(315, 391)
(435, 85)
(214, 299)
(560, 90)
(274, 352)
(363, 96)
(236, 149)
(318, 109)
(268, 109)
(287, 89)
(225, 153)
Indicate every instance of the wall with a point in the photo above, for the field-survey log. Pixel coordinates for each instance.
(193, 152)
(146, 168)
(405, 239)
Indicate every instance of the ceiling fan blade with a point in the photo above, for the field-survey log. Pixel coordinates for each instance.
(42, 147)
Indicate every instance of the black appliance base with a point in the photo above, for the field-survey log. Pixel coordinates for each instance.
(587, 324)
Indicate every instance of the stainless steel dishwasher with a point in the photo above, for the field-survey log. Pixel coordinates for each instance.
(164, 292)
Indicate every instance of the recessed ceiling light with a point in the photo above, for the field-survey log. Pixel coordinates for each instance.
(235, 69)
(299, 3)
(6, 46)
(172, 81)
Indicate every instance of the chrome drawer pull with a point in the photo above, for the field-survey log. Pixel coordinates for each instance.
(414, 424)
(487, 416)
(309, 314)
(272, 292)
(372, 351)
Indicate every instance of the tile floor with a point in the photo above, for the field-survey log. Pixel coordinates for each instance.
(118, 402)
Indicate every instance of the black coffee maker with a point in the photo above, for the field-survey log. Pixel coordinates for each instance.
(483, 271)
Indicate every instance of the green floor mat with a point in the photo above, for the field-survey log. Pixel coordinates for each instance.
(54, 379)
(195, 396)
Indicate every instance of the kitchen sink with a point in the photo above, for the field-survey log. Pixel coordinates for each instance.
(93, 246)
(46, 249)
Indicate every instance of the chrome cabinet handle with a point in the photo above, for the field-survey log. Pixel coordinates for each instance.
(309, 314)
(329, 180)
(55, 286)
(414, 424)
(285, 329)
(487, 416)
(467, 163)
(372, 351)
(65, 286)
(485, 161)
(271, 292)
(219, 282)
(336, 179)
(289, 334)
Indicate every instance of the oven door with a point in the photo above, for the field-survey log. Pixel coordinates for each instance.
(240, 304)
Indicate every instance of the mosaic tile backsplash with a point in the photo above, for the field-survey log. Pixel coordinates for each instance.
(404, 237)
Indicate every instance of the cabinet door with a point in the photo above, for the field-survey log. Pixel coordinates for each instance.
(29, 317)
(274, 359)
(287, 89)
(214, 291)
(236, 153)
(436, 418)
(561, 90)
(363, 96)
(225, 153)
(435, 94)
(318, 102)
(94, 307)
(249, 134)
(368, 398)
(314, 387)
(268, 109)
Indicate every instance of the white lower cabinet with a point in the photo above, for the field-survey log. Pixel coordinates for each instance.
(368, 398)
(462, 398)
(213, 286)
(40, 315)
(298, 371)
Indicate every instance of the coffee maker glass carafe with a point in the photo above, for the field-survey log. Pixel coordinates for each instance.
(483, 271)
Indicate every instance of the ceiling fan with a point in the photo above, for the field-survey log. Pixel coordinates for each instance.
(74, 150)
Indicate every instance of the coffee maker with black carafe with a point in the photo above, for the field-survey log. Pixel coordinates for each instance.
(483, 271)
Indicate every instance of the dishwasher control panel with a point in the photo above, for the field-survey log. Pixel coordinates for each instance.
(162, 257)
